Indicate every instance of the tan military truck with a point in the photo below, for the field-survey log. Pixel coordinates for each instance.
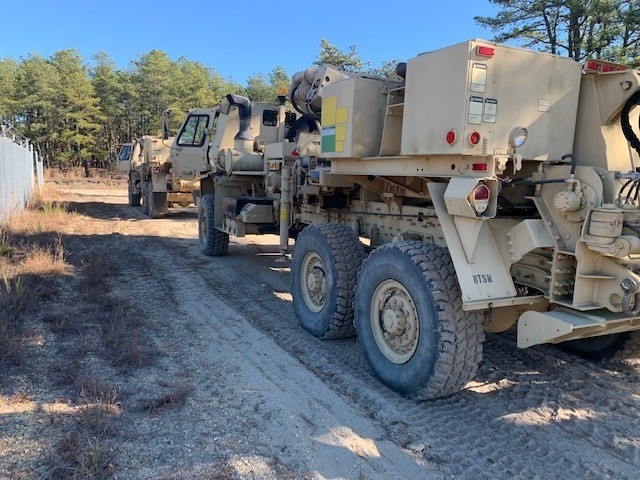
(142, 155)
(493, 185)
(165, 171)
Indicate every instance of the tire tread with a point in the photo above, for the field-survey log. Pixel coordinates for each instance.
(217, 242)
(349, 254)
(461, 333)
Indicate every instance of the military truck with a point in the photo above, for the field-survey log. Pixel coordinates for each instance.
(164, 171)
(492, 185)
(142, 155)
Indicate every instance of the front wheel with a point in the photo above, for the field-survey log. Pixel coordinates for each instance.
(413, 331)
(213, 242)
(324, 267)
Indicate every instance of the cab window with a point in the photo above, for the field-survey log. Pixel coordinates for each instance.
(125, 153)
(193, 131)
(270, 118)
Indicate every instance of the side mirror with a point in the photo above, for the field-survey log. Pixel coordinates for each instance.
(165, 124)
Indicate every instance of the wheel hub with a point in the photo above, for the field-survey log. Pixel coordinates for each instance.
(395, 321)
(313, 282)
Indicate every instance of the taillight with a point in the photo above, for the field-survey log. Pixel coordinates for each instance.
(479, 167)
(479, 198)
(474, 138)
(483, 51)
(451, 137)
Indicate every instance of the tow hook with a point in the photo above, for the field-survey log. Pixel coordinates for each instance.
(630, 286)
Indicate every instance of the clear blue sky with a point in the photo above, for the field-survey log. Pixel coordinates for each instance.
(237, 38)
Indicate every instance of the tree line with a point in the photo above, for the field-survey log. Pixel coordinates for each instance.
(72, 112)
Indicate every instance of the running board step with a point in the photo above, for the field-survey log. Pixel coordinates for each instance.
(561, 325)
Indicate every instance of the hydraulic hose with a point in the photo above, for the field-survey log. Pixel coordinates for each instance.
(574, 163)
(628, 132)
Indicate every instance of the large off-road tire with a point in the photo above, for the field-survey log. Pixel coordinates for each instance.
(597, 348)
(146, 187)
(157, 202)
(324, 267)
(411, 326)
(134, 198)
(213, 242)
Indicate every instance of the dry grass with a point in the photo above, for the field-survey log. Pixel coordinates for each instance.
(45, 260)
(44, 216)
(121, 325)
(176, 395)
(13, 298)
(77, 175)
(126, 340)
(59, 292)
(5, 247)
(100, 402)
(31, 255)
(79, 455)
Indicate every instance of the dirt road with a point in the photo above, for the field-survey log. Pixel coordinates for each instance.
(267, 400)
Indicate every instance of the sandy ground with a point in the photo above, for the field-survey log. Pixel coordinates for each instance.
(267, 400)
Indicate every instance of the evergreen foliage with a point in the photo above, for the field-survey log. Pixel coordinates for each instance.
(580, 29)
(348, 61)
(72, 113)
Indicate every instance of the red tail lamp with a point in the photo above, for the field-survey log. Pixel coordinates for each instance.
(479, 198)
(450, 137)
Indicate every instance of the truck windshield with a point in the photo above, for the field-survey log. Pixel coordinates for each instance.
(125, 153)
(193, 131)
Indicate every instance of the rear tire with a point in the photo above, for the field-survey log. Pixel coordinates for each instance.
(597, 348)
(411, 326)
(157, 203)
(146, 186)
(213, 242)
(324, 268)
(134, 198)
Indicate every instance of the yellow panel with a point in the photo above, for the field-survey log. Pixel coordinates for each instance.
(342, 115)
(339, 146)
(341, 132)
(329, 106)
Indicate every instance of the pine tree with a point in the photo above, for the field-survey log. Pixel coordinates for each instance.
(349, 62)
(8, 70)
(607, 29)
(156, 89)
(35, 95)
(80, 117)
(106, 85)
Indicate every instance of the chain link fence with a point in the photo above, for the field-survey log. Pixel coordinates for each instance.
(20, 171)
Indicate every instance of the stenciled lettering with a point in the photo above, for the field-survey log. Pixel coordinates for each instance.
(483, 278)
